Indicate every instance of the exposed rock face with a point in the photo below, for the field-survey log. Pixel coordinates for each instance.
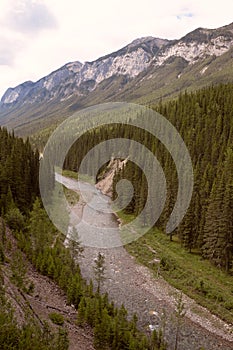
(77, 78)
(106, 182)
(142, 67)
(193, 51)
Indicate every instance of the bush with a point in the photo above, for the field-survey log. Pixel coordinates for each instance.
(56, 318)
(201, 287)
(167, 264)
(15, 219)
(228, 305)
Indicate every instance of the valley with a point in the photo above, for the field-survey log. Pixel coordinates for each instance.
(145, 71)
(140, 291)
(80, 287)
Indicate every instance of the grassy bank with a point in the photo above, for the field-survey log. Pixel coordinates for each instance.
(189, 272)
(71, 174)
(76, 176)
(71, 196)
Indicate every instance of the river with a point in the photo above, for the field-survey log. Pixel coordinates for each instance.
(127, 282)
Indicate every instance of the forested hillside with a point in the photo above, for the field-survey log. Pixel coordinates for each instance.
(19, 168)
(205, 121)
(34, 240)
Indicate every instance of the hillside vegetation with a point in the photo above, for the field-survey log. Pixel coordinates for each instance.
(205, 122)
(143, 72)
(37, 240)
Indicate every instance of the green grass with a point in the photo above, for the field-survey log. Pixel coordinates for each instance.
(71, 174)
(198, 278)
(71, 196)
(76, 176)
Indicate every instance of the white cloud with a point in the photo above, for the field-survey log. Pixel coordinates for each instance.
(21, 23)
(30, 17)
(8, 50)
(38, 36)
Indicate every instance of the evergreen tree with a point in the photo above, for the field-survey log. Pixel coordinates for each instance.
(99, 270)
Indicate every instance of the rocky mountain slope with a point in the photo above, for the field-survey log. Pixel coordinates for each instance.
(44, 298)
(79, 79)
(143, 71)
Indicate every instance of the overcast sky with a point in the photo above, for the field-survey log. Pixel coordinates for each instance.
(39, 36)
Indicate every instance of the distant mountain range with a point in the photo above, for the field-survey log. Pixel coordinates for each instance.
(144, 71)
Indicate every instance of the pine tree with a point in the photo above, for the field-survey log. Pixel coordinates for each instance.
(179, 314)
(102, 331)
(75, 246)
(99, 270)
(63, 341)
(81, 311)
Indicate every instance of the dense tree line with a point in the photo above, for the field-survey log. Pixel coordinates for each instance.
(19, 168)
(43, 245)
(112, 329)
(205, 121)
(29, 334)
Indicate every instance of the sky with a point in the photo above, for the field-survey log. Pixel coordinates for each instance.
(39, 36)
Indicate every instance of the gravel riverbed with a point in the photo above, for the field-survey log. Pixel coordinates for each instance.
(134, 286)
(152, 299)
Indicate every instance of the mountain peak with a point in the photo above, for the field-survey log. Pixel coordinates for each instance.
(198, 44)
(142, 40)
(111, 75)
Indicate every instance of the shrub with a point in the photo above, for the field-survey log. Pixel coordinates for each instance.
(228, 305)
(15, 219)
(56, 318)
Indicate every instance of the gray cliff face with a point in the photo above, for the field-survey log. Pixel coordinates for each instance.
(13, 94)
(81, 79)
(77, 78)
(198, 45)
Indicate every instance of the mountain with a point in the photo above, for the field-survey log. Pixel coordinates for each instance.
(143, 71)
(77, 78)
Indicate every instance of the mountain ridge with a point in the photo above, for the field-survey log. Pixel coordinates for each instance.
(128, 74)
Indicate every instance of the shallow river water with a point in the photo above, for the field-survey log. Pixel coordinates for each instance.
(127, 282)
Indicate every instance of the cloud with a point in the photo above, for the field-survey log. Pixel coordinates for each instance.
(185, 15)
(7, 52)
(6, 57)
(10, 46)
(30, 17)
(22, 22)
(46, 34)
